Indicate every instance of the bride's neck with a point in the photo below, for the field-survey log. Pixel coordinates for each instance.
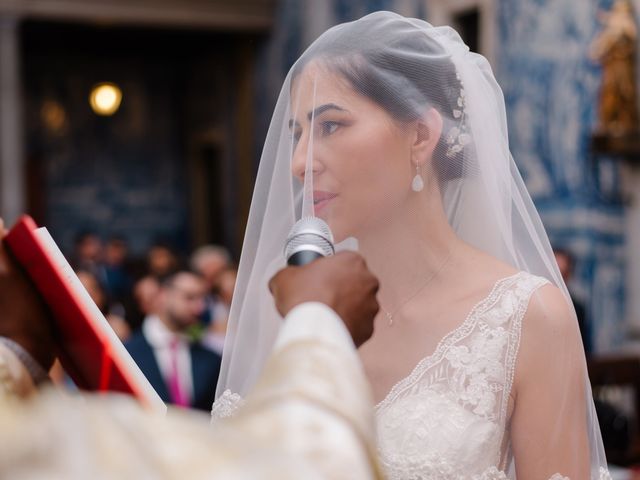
(410, 245)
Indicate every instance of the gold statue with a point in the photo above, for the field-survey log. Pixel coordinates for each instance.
(615, 49)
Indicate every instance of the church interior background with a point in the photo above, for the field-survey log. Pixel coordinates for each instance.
(199, 80)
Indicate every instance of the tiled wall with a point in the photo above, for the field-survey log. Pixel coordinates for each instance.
(551, 88)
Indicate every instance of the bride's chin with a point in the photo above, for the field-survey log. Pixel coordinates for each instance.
(339, 233)
(334, 227)
(339, 229)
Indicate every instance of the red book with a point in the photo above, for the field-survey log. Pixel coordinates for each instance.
(89, 349)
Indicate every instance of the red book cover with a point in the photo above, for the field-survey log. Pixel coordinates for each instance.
(89, 349)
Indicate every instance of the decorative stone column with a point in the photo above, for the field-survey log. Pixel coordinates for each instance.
(12, 163)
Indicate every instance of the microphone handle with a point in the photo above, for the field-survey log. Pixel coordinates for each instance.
(303, 257)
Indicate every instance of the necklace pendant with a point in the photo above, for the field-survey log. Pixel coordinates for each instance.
(389, 317)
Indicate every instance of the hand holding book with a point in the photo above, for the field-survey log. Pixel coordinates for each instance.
(85, 343)
(23, 315)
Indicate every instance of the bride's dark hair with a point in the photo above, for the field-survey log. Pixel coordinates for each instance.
(402, 70)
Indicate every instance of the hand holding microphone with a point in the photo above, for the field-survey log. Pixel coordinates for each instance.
(310, 238)
(342, 281)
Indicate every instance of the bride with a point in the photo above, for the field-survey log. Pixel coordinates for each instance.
(391, 131)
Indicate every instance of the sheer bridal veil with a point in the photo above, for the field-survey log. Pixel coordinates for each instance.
(407, 71)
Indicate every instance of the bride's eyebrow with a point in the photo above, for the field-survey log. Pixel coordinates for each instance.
(324, 108)
(321, 109)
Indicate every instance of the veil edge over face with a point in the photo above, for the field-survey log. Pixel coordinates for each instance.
(406, 66)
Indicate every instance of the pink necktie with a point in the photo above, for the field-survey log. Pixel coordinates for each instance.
(177, 395)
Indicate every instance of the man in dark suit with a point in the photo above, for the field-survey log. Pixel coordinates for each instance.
(182, 371)
(566, 264)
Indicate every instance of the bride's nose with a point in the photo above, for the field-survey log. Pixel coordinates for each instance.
(302, 154)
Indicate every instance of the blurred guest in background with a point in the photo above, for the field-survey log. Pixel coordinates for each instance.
(614, 424)
(216, 331)
(145, 295)
(118, 276)
(213, 262)
(182, 371)
(210, 261)
(112, 311)
(225, 287)
(87, 254)
(566, 263)
(161, 259)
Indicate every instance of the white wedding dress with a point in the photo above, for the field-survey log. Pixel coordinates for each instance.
(448, 419)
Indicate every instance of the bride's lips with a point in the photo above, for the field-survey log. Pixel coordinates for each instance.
(322, 199)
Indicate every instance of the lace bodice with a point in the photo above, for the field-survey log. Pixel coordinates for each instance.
(447, 418)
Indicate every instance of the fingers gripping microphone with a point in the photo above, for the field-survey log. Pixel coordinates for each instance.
(310, 238)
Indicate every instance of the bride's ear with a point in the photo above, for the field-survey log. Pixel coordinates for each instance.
(427, 135)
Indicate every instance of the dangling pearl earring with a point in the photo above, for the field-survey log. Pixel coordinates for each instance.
(417, 184)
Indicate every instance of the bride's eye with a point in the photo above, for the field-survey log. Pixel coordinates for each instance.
(328, 127)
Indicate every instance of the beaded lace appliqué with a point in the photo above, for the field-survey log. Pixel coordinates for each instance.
(226, 405)
(447, 418)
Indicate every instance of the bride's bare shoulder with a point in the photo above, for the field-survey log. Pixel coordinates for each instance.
(549, 311)
(550, 335)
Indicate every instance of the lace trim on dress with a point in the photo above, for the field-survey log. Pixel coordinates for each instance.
(226, 405)
(460, 332)
(494, 474)
(514, 344)
(603, 475)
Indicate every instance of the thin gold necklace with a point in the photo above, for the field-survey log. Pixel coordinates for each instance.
(390, 315)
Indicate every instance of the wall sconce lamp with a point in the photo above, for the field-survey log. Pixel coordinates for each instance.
(105, 98)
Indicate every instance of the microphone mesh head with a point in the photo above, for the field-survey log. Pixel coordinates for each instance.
(309, 231)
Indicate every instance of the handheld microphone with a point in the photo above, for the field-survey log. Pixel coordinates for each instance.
(310, 238)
